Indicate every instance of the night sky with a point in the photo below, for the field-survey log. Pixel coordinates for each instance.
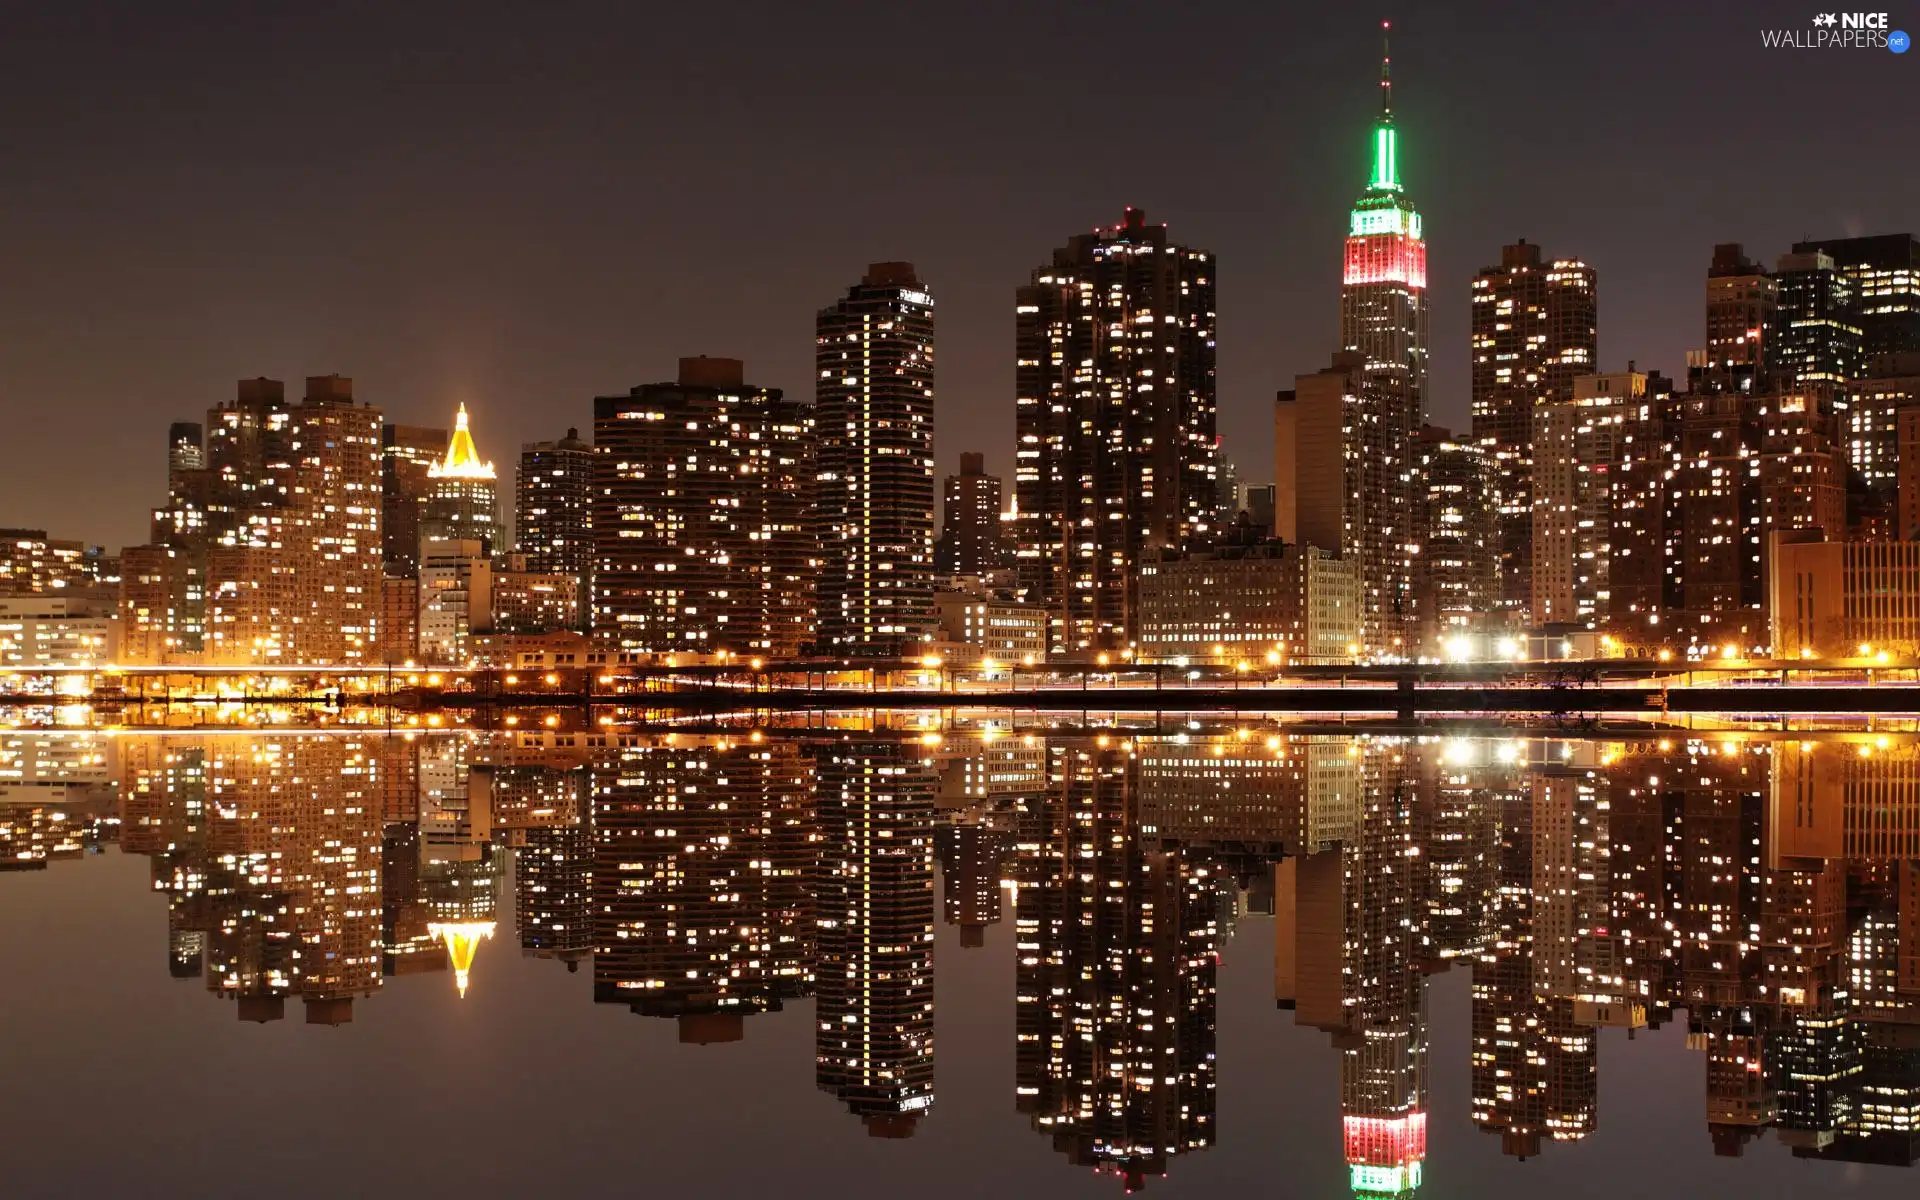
(522, 206)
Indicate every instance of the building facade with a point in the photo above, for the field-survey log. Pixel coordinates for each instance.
(462, 501)
(970, 534)
(1116, 448)
(1535, 329)
(703, 537)
(1270, 604)
(553, 510)
(874, 505)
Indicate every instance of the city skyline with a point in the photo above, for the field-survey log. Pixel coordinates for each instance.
(470, 339)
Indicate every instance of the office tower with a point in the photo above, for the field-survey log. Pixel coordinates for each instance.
(460, 501)
(1576, 443)
(874, 1013)
(1115, 990)
(1816, 323)
(553, 510)
(407, 453)
(1535, 328)
(1741, 298)
(703, 854)
(455, 599)
(970, 519)
(1115, 423)
(1454, 486)
(1345, 467)
(874, 411)
(1884, 270)
(1875, 404)
(702, 492)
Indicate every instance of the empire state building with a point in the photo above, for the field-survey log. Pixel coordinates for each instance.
(1383, 294)
(1383, 330)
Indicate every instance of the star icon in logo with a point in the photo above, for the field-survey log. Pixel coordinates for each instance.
(1827, 19)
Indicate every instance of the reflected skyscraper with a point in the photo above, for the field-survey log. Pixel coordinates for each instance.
(702, 851)
(874, 1014)
(1117, 938)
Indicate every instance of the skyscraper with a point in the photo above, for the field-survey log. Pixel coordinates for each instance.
(407, 452)
(1459, 573)
(1115, 420)
(874, 1015)
(1383, 319)
(702, 490)
(461, 502)
(1576, 443)
(1741, 298)
(1816, 335)
(1346, 486)
(874, 412)
(1884, 270)
(1534, 329)
(970, 519)
(553, 509)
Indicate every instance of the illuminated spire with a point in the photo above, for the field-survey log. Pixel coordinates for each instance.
(1386, 73)
(462, 939)
(1386, 156)
(463, 457)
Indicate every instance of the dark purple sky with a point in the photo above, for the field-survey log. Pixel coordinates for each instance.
(520, 206)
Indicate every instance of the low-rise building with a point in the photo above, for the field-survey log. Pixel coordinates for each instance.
(1270, 603)
(1829, 599)
(40, 631)
(979, 623)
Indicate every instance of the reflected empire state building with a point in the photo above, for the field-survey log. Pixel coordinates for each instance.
(1770, 889)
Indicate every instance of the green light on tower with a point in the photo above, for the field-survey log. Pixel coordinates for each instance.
(1386, 168)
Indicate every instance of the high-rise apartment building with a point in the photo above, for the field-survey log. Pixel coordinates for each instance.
(1115, 421)
(270, 551)
(874, 506)
(702, 493)
(1576, 443)
(407, 452)
(553, 509)
(1458, 577)
(874, 1012)
(1874, 407)
(1535, 328)
(1741, 299)
(1345, 467)
(461, 502)
(1884, 270)
(970, 535)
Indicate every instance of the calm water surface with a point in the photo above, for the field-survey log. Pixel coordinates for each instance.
(861, 965)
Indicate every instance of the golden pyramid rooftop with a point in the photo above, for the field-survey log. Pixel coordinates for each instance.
(463, 457)
(462, 940)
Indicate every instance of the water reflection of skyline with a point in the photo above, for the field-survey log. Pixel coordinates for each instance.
(1765, 892)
